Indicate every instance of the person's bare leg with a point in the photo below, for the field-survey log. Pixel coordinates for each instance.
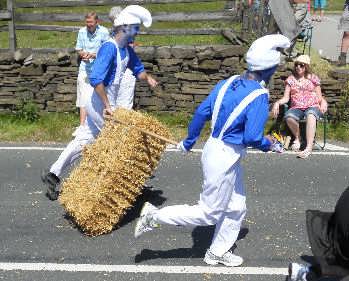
(294, 127)
(342, 59)
(322, 14)
(83, 115)
(310, 131)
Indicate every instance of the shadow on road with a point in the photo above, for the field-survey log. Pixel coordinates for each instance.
(202, 236)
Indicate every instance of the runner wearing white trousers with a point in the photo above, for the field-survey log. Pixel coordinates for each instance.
(238, 109)
(113, 58)
(86, 134)
(222, 200)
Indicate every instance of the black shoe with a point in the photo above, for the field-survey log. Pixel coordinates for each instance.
(52, 183)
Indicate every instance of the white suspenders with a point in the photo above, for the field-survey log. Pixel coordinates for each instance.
(237, 110)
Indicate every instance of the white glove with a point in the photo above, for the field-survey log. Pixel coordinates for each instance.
(277, 147)
(181, 147)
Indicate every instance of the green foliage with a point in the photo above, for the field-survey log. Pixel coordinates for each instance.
(153, 8)
(342, 107)
(335, 5)
(51, 127)
(337, 131)
(28, 111)
(3, 4)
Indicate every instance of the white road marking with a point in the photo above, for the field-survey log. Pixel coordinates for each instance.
(48, 148)
(335, 150)
(143, 268)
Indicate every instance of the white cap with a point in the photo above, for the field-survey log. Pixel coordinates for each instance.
(263, 53)
(134, 14)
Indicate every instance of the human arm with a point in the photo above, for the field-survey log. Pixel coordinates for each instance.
(283, 100)
(322, 100)
(102, 65)
(138, 70)
(202, 114)
(256, 116)
(79, 47)
(100, 90)
(148, 78)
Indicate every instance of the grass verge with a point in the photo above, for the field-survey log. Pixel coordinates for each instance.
(58, 127)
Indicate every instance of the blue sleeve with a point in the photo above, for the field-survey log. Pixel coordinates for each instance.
(256, 116)
(202, 114)
(102, 63)
(134, 63)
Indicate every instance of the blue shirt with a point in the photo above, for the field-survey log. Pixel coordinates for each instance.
(248, 127)
(90, 42)
(104, 67)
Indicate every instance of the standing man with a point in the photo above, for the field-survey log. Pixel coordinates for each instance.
(113, 58)
(238, 109)
(90, 38)
(344, 25)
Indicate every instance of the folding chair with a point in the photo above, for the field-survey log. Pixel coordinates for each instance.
(302, 128)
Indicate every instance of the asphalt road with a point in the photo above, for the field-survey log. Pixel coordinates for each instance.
(327, 38)
(279, 190)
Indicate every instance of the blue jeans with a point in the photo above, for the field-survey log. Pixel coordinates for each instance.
(299, 114)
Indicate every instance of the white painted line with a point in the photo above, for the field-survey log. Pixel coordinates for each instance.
(143, 268)
(334, 153)
(30, 148)
(340, 151)
(330, 150)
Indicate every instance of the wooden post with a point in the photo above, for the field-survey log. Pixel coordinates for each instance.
(260, 22)
(11, 26)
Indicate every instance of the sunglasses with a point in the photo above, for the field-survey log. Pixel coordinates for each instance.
(299, 64)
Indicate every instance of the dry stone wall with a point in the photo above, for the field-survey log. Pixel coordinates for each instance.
(186, 75)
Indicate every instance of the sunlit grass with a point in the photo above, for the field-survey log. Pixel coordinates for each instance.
(56, 39)
(153, 8)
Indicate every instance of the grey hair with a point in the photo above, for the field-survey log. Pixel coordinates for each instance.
(114, 12)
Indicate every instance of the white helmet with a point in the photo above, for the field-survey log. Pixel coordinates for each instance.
(133, 14)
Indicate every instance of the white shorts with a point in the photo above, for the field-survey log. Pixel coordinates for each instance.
(83, 90)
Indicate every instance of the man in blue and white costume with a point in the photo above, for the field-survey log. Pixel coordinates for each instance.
(113, 57)
(238, 109)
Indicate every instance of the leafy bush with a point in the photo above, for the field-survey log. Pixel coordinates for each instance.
(3, 4)
(28, 111)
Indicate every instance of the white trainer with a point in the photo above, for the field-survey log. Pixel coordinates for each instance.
(228, 259)
(145, 222)
(297, 272)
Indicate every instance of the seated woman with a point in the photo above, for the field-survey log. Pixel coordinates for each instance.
(328, 234)
(303, 90)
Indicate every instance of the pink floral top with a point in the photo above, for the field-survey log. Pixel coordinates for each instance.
(303, 93)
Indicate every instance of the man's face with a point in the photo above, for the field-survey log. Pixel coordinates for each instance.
(91, 24)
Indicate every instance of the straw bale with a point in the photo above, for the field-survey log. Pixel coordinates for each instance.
(112, 172)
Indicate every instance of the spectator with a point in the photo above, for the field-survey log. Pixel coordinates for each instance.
(303, 90)
(301, 13)
(319, 5)
(90, 38)
(328, 234)
(344, 25)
